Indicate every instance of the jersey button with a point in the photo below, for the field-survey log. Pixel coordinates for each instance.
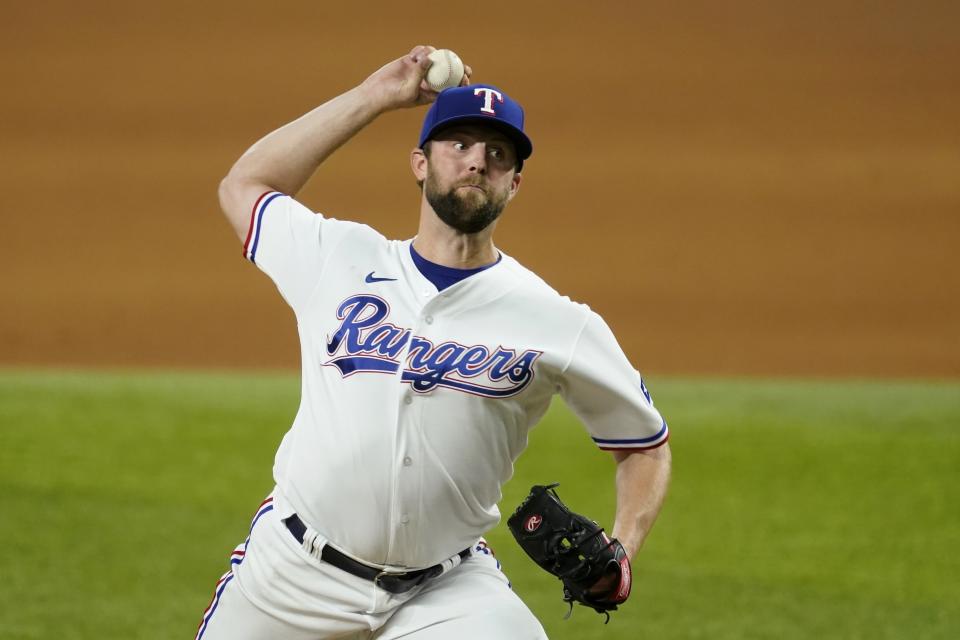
(404, 519)
(408, 400)
(428, 319)
(407, 461)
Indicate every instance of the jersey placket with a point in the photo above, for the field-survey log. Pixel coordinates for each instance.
(409, 457)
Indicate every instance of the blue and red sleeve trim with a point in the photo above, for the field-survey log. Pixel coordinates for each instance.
(612, 444)
(256, 220)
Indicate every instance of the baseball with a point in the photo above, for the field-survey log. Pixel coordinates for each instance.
(446, 70)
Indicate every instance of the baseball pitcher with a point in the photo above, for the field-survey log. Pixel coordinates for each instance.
(422, 374)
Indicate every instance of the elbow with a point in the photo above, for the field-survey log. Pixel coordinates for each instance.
(227, 193)
(235, 192)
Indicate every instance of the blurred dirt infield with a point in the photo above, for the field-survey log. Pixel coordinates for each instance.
(752, 188)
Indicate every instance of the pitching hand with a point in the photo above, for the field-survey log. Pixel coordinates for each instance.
(400, 84)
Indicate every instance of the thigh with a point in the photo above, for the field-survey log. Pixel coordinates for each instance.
(231, 616)
(277, 591)
(472, 602)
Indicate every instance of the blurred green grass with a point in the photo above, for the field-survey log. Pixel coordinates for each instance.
(797, 509)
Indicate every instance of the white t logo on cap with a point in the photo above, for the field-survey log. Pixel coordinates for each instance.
(488, 95)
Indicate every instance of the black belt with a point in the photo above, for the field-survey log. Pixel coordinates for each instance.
(388, 581)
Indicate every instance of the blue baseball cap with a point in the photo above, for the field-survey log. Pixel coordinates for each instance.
(481, 103)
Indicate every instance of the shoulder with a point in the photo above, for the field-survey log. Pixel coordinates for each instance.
(360, 232)
(330, 225)
(534, 288)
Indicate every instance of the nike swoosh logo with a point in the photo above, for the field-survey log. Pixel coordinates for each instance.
(372, 278)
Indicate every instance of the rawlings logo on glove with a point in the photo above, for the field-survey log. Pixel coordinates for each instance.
(594, 569)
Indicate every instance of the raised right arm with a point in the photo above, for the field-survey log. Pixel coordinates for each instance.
(285, 159)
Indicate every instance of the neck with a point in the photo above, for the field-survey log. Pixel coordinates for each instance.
(446, 246)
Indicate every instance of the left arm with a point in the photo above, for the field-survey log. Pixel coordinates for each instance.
(609, 396)
(642, 480)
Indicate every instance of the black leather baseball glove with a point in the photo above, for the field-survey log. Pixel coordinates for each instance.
(594, 569)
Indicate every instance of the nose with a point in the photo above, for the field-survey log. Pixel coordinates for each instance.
(478, 158)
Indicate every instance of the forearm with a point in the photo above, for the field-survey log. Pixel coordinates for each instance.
(286, 158)
(642, 480)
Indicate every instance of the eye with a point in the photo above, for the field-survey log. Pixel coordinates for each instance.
(496, 153)
(459, 146)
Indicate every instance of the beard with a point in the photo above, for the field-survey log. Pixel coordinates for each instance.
(467, 213)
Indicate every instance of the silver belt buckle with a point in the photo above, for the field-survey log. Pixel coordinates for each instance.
(376, 579)
(387, 574)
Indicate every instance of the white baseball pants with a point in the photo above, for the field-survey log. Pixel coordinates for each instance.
(277, 590)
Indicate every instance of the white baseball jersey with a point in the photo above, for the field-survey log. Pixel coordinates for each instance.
(415, 403)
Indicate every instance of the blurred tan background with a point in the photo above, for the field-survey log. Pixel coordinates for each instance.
(739, 188)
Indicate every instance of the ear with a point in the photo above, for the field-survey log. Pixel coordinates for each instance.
(514, 185)
(418, 163)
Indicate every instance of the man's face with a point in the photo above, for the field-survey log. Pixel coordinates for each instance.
(471, 175)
